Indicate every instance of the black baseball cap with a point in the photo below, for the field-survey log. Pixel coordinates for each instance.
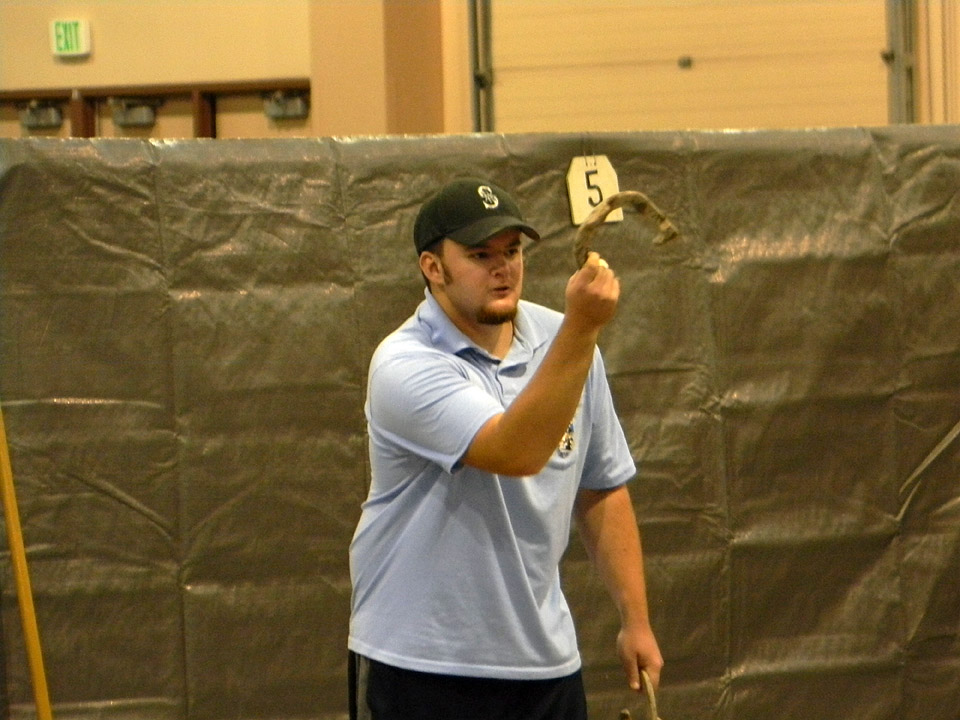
(469, 211)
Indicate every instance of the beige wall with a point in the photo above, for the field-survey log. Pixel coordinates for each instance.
(156, 42)
(457, 71)
(397, 66)
(403, 66)
(347, 71)
(751, 63)
(171, 42)
(375, 66)
(938, 61)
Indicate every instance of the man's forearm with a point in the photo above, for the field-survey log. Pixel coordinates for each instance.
(608, 529)
(521, 440)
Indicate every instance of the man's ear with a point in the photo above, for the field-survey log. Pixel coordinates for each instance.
(431, 267)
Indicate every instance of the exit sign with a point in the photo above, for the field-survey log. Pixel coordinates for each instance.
(70, 38)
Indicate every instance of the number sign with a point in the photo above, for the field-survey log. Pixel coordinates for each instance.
(591, 179)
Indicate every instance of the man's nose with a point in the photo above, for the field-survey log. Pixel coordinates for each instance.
(500, 261)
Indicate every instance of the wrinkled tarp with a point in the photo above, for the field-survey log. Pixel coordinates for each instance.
(185, 333)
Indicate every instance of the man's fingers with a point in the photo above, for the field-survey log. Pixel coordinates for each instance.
(594, 259)
(596, 267)
(598, 275)
(592, 293)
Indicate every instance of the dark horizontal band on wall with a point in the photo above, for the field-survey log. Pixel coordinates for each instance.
(240, 87)
(83, 100)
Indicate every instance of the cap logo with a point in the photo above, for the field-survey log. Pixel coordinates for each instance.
(488, 196)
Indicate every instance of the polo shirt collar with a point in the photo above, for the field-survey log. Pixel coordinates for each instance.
(444, 335)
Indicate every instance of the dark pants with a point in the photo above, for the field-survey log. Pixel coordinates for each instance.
(384, 692)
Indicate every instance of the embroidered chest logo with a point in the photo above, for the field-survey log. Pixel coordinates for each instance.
(567, 443)
(488, 196)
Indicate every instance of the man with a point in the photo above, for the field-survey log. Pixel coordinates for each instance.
(491, 428)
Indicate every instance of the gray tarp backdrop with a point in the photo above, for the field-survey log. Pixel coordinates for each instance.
(185, 328)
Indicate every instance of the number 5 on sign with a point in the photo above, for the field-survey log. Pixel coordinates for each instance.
(591, 179)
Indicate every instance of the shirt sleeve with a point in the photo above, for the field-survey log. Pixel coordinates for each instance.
(426, 404)
(609, 462)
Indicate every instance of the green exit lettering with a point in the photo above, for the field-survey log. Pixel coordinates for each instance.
(68, 36)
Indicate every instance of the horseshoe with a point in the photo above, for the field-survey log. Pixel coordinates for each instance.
(651, 700)
(643, 205)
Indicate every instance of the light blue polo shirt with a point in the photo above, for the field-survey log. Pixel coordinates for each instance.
(456, 570)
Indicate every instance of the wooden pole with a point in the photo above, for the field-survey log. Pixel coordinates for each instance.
(18, 558)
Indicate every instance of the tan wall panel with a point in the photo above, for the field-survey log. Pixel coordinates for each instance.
(174, 119)
(242, 116)
(938, 61)
(457, 74)
(239, 116)
(414, 66)
(10, 125)
(757, 64)
(732, 93)
(347, 67)
(601, 32)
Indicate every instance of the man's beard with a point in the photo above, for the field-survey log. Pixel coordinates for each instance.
(485, 316)
(496, 317)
